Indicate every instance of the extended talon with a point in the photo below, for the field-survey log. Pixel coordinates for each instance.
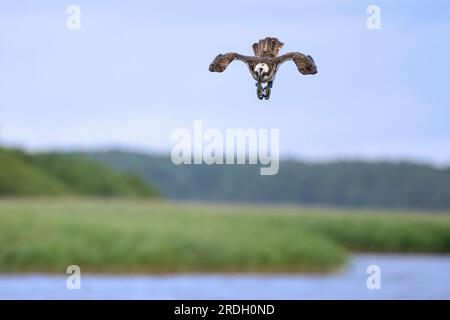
(263, 92)
(259, 91)
(267, 92)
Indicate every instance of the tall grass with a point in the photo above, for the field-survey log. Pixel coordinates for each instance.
(47, 235)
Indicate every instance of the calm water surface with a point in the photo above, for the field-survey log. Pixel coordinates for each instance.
(402, 277)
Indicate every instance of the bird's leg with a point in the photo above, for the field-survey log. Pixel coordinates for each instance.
(259, 90)
(263, 92)
(267, 90)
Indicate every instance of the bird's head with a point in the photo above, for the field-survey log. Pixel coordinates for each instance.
(261, 71)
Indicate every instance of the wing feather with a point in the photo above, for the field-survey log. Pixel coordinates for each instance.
(221, 62)
(305, 63)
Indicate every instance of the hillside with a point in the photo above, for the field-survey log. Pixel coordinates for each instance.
(61, 174)
(337, 183)
(19, 177)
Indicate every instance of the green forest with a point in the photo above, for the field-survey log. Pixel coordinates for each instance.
(26, 174)
(344, 183)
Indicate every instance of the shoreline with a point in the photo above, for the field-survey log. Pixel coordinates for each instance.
(212, 273)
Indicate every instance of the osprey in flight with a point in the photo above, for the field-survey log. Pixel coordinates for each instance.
(264, 65)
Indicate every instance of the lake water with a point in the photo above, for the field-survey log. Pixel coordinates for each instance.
(402, 277)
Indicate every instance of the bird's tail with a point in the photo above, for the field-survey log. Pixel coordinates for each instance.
(268, 47)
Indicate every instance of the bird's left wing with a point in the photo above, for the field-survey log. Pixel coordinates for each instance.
(305, 64)
(221, 62)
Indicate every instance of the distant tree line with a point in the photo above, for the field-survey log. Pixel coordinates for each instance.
(334, 183)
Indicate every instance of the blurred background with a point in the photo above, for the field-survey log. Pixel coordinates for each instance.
(86, 179)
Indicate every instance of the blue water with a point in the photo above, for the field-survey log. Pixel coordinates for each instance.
(402, 277)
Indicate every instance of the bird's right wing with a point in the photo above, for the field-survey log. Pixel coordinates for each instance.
(305, 63)
(221, 62)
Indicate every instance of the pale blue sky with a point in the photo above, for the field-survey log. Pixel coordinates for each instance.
(138, 70)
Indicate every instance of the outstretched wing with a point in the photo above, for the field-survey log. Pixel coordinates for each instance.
(221, 62)
(305, 64)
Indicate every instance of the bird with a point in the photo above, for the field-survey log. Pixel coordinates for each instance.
(264, 64)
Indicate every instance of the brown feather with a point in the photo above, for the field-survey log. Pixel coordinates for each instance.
(268, 47)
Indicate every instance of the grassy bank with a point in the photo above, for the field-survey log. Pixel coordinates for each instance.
(148, 236)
